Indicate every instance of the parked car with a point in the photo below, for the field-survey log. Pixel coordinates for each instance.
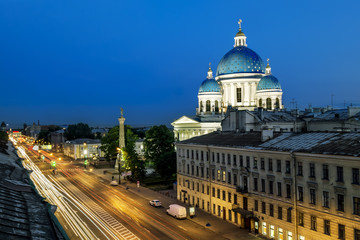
(114, 183)
(177, 211)
(155, 203)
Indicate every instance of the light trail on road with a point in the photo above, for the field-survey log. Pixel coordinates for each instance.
(66, 203)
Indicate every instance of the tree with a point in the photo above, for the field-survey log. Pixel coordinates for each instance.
(44, 135)
(159, 148)
(110, 143)
(80, 130)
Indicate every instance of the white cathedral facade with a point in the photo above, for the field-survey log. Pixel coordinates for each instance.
(242, 82)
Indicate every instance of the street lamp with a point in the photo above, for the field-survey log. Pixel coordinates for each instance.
(119, 163)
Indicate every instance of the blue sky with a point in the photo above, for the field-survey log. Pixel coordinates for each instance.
(71, 61)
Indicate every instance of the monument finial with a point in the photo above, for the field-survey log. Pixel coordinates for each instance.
(239, 22)
(122, 112)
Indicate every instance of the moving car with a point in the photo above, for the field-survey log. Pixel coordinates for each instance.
(177, 211)
(114, 183)
(155, 203)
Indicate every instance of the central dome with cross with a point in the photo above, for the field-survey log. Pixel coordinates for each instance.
(240, 59)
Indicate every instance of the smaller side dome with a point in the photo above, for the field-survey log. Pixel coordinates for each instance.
(209, 85)
(268, 82)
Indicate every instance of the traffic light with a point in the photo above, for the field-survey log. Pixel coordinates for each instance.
(86, 163)
(53, 164)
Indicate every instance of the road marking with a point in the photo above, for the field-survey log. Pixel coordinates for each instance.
(182, 228)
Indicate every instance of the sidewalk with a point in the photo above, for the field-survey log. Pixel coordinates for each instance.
(202, 218)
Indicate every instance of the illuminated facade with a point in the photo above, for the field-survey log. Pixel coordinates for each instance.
(280, 185)
(242, 82)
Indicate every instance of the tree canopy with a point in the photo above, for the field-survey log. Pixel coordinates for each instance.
(159, 149)
(80, 130)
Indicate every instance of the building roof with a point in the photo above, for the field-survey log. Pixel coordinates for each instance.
(335, 115)
(347, 144)
(240, 59)
(24, 214)
(209, 85)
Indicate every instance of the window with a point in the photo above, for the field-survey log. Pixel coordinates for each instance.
(313, 223)
(202, 188)
(217, 157)
(255, 163)
(235, 179)
(272, 231)
(270, 164)
(202, 171)
(241, 161)
(278, 165)
(218, 193)
(192, 170)
(214, 209)
(213, 174)
(300, 169)
(248, 161)
(192, 154)
(355, 176)
(287, 167)
(271, 187)
(255, 184)
(279, 189)
(256, 205)
(229, 159)
(262, 163)
(235, 199)
(340, 202)
(312, 196)
(218, 175)
(280, 233)
(356, 203)
(279, 212)
(245, 203)
(288, 215)
(264, 228)
(224, 195)
(263, 185)
(223, 158)
(356, 234)
(327, 227)
(208, 105)
(188, 169)
(197, 155)
(341, 231)
(325, 172)
(230, 214)
(300, 194)
(219, 210)
(229, 196)
(197, 187)
(229, 177)
(234, 160)
(301, 219)
(271, 206)
(290, 237)
(202, 156)
(268, 104)
(312, 170)
(223, 176)
(197, 171)
(238, 94)
(263, 207)
(288, 191)
(326, 199)
(340, 174)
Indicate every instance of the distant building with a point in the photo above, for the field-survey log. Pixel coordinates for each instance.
(280, 185)
(83, 148)
(99, 132)
(57, 140)
(33, 130)
(139, 147)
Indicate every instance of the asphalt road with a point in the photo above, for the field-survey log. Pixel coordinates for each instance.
(112, 212)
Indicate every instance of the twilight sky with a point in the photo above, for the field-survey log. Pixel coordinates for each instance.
(69, 61)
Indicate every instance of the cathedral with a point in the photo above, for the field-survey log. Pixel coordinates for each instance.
(242, 82)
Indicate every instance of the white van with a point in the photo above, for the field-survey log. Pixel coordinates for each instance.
(177, 211)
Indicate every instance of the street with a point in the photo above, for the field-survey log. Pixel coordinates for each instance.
(89, 208)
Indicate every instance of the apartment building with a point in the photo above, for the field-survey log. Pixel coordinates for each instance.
(279, 185)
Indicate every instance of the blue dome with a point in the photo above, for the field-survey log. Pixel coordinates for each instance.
(268, 82)
(240, 60)
(209, 85)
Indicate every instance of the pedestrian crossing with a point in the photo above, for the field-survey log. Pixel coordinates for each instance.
(118, 229)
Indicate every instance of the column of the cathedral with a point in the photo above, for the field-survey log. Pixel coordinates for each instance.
(233, 102)
(246, 90)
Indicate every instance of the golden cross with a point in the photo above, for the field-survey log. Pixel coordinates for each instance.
(239, 22)
(209, 65)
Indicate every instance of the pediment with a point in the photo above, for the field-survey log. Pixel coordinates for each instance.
(185, 120)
